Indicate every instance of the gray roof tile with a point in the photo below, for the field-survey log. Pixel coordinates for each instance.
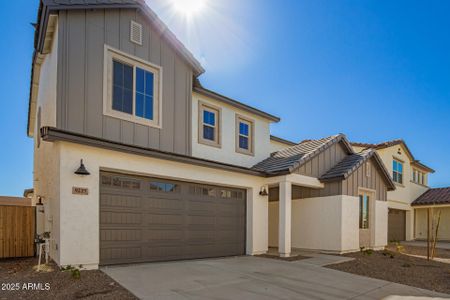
(349, 164)
(292, 157)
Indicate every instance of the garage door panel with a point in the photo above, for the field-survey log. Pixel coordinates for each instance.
(396, 225)
(146, 219)
(123, 218)
(163, 219)
(120, 235)
(120, 201)
(162, 204)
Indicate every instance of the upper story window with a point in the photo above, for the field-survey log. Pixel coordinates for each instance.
(397, 171)
(132, 89)
(419, 177)
(244, 135)
(209, 125)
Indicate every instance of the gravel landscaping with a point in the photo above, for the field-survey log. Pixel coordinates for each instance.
(19, 280)
(395, 267)
(422, 251)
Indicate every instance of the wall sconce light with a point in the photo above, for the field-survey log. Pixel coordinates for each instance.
(263, 191)
(82, 170)
(40, 205)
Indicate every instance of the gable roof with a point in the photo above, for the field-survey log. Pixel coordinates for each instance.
(351, 163)
(387, 144)
(433, 197)
(288, 159)
(49, 6)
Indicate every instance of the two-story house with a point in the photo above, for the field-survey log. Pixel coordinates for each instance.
(136, 161)
(411, 179)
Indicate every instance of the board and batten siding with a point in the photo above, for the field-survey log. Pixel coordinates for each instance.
(323, 162)
(350, 186)
(83, 35)
(359, 179)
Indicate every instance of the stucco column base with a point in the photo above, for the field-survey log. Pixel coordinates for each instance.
(285, 212)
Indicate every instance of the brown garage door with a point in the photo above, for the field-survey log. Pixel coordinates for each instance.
(396, 225)
(148, 219)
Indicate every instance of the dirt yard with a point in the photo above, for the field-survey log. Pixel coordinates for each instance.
(19, 280)
(395, 267)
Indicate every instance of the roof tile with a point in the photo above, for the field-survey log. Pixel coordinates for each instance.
(287, 158)
(433, 197)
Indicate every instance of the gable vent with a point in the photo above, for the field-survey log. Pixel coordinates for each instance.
(136, 33)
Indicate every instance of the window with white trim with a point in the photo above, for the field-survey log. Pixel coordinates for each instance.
(244, 135)
(132, 89)
(209, 125)
(397, 171)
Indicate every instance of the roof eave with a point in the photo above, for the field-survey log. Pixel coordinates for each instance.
(206, 92)
(282, 141)
(51, 134)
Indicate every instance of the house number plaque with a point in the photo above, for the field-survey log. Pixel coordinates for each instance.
(80, 191)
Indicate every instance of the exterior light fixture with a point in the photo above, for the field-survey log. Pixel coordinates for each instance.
(82, 170)
(263, 191)
(399, 152)
(40, 205)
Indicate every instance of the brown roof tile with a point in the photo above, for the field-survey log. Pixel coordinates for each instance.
(434, 196)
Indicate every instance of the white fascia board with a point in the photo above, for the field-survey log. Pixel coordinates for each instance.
(297, 179)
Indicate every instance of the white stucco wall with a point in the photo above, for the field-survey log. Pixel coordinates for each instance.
(444, 226)
(46, 156)
(380, 225)
(47, 85)
(227, 152)
(323, 223)
(330, 224)
(79, 230)
(276, 146)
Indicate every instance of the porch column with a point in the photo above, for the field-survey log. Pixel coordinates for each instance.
(284, 228)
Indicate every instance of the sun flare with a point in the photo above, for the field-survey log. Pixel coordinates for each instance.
(189, 7)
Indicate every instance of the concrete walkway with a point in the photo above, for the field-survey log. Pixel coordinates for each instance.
(252, 278)
(441, 245)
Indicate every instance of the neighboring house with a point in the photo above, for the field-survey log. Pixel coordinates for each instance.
(411, 179)
(438, 201)
(172, 170)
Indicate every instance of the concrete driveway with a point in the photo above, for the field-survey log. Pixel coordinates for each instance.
(252, 278)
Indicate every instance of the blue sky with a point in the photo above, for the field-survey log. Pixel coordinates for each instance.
(374, 70)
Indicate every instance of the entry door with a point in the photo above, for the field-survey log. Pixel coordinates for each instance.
(365, 199)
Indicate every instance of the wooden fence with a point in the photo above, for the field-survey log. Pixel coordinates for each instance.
(17, 231)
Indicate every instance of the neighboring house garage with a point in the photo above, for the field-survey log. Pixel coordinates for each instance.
(396, 225)
(147, 219)
(438, 201)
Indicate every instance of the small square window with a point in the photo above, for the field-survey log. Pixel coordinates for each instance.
(244, 135)
(209, 125)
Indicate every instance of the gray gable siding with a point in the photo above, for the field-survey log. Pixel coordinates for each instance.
(349, 186)
(320, 164)
(358, 179)
(82, 36)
